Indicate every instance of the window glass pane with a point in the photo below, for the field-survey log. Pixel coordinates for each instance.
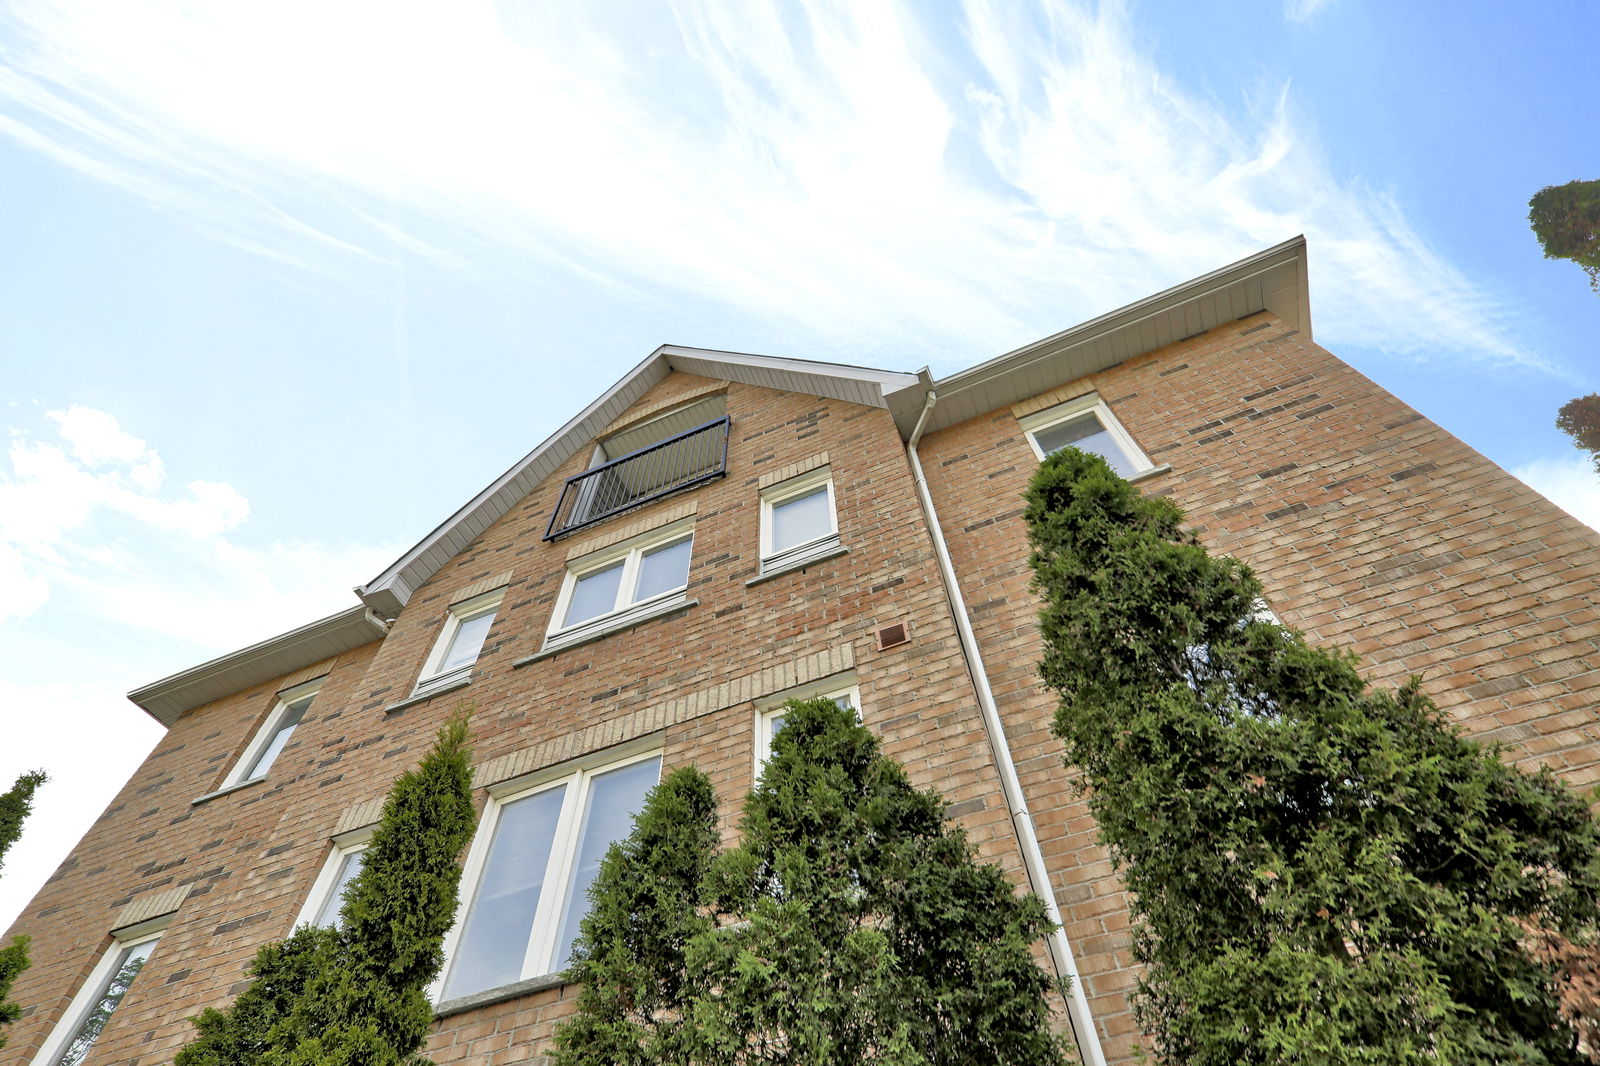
(614, 798)
(594, 594)
(1085, 431)
(467, 642)
(129, 963)
(801, 519)
(349, 866)
(280, 737)
(494, 937)
(663, 570)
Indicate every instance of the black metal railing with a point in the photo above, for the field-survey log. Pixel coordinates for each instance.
(667, 466)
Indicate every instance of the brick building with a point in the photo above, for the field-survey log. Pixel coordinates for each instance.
(719, 531)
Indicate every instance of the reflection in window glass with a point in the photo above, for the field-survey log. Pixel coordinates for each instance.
(494, 937)
(801, 519)
(594, 594)
(467, 642)
(663, 570)
(349, 866)
(106, 1001)
(1085, 432)
(614, 798)
(284, 730)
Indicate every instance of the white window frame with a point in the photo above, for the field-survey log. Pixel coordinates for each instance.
(1088, 404)
(775, 496)
(577, 775)
(771, 708)
(431, 678)
(93, 987)
(269, 731)
(344, 845)
(625, 610)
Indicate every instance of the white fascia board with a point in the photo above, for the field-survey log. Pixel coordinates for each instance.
(1274, 279)
(313, 642)
(389, 591)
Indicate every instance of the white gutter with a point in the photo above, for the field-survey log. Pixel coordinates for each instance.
(1060, 948)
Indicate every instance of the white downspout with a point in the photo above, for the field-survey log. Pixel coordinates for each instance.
(1032, 856)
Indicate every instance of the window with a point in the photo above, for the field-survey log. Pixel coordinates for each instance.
(269, 741)
(622, 584)
(531, 864)
(771, 712)
(100, 995)
(1086, 423)
(798, 523)
(327, 894)
(456, 651)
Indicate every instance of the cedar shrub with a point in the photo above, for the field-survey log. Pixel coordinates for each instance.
(850, 925)
(15, 806)
(357, 995)
(1320, 872)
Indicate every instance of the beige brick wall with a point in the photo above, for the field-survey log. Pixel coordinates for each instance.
(1371, 529)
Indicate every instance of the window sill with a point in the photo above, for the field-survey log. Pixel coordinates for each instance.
(828, 550)
(604, 627)
(462, 1004)
(423, 695)
(226, 789)
(1164, 468)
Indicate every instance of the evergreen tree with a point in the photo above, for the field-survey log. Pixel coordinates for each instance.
(356, 995)
(851, 925)
(1320, 873)
(637, 987)
(1566, 219)
(15, 807)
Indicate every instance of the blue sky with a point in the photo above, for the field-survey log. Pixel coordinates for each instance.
(281, 286)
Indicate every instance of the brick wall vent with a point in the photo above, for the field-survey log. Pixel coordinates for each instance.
(892, 636)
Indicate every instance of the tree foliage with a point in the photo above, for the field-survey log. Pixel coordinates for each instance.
(1580, 420)
(1566, 219)
(1320, 872)
(15, 806)
(356, 995)
(850, 925)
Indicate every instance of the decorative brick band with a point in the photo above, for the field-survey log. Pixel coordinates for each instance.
(652, 519)
(1058, 395)
(151, 905)
(478, 588)
(309, 673)
(652, 719)
(359, 815)
(804, 466)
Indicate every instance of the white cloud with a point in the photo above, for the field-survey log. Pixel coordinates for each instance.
(1571, 483)
(1303, 10)
(823, 162)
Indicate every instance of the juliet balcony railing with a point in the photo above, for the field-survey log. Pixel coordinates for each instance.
(691, 458)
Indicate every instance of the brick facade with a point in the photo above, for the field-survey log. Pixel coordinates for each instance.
(1370, 527)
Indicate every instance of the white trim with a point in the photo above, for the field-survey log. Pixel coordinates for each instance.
(344, 845)
(268, 732)
(430, 678)
(775, 496)
(774, 706)
(1089, 403)
(547, 917)
(94, 986)
(630, 552)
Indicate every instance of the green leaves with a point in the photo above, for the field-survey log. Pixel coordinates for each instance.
(1566, 219)
(357, 995)
(850, 925)
(15, 806)
(1320, 873)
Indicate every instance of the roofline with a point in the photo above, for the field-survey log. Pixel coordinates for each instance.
(313, 642)
(1294, 306)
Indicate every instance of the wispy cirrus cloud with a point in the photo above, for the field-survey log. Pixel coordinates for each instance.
(820, 162)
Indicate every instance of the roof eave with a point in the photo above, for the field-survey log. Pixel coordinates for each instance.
(168, 698)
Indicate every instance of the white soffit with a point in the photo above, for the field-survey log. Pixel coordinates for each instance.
(1271, 280)
(166, 699)
(390, 590)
